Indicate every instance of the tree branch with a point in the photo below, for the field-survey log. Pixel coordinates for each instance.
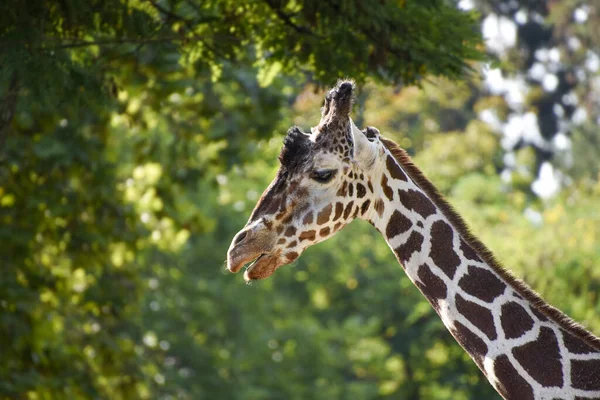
(8, 108)
(288, 21)
(84, 43)
(188, 23)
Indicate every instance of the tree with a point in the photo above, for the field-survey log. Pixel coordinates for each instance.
(544, 94)
(117, 120)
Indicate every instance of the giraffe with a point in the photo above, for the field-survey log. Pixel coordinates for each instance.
(526, 348)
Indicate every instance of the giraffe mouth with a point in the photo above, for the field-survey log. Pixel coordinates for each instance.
(249, 265)
(262, 267)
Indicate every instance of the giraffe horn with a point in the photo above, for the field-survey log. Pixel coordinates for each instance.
(338, 103)
(341, 99)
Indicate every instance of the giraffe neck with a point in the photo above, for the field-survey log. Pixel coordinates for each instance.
(526, 348)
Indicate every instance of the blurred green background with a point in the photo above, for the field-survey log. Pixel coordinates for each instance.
(136, 136)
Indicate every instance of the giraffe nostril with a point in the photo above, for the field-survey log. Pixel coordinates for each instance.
(240, 237)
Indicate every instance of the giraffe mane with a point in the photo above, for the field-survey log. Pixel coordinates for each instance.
(487, 256)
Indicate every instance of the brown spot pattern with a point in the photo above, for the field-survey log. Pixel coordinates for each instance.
(350, 190)
(394, 169)
(291, 231)
(365, 207)
(515, 320)
(280, 229)
(324, 215)
(291, 256)
(442, 253)
(379, 207)
(274, 205)
(432, 286)
(541, 358)
(397, 224)
(339, 207)
(576, 345)
(281, 241)
(348, 209)
(482, 284)
(472, 343)
(308, 235)
(292, 244)
(308, 218)
(370, 185)
(342, 190)
(387, 190)
(468, 251)
(405, 250)
(418, 202)
(361, 191)
(585, 374)
(518, 388)
(325, 231)
(479, 316)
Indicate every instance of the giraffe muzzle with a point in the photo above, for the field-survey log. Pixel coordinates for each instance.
(251, 245)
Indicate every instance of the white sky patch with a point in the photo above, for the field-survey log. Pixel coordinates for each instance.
(592, 61)
(570, 99)
(554, 55)
(513, 131)
(558, 110)
(561, 142)
(579, 116)
(175, 98)
(466, 5)
(516, 90)
(537, 17)
(537, 71)
(222, 179)
(542, 54)
(521, 17)
(535, 217)
(500, 33)
(510, 160)
(522, 126)
(574, 43)
(548, 182)
(531, 130)
(506, 175)
(494, 81)
(145, 217)
(550, 82)
(581, 14)
(490, 117)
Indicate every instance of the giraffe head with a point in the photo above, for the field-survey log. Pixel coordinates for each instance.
(325, 180)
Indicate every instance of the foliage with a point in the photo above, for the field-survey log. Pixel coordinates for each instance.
(544, 90)
(135, 136)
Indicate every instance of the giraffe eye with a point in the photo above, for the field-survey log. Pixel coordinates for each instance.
(323, 175)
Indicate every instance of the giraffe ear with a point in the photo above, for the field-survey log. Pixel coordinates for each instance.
(365, 150)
